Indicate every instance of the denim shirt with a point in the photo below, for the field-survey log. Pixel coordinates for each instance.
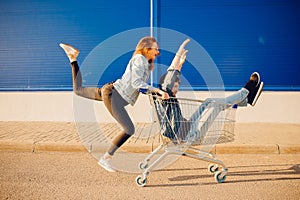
(169, 81)
(173, 121)
(134, 78)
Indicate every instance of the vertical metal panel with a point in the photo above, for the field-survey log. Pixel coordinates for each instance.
(30, 58)
(242, 37)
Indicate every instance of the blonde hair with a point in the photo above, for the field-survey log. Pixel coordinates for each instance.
(144, 44)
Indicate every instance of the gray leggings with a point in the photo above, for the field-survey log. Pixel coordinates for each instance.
(113, 102)
(120, 114)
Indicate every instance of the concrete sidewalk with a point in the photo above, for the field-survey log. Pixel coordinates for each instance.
(263, 138)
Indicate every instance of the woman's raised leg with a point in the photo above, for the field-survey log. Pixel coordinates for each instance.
(87, 92)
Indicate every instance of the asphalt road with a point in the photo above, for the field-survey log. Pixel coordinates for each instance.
(78, 176)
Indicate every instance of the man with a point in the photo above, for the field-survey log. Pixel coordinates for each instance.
(177, 128)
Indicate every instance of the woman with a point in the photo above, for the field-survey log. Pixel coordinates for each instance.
(122, 92)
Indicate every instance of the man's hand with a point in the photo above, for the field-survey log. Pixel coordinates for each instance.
(180, 56)
(181, 49)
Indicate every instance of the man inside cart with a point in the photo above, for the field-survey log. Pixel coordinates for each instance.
(176, 127)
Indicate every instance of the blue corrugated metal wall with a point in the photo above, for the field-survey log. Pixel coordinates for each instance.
(30, 58)
(240, 36)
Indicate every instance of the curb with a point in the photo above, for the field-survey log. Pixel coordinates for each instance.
(26, 146)
(30, 146)
(290, 149)
(247, 149)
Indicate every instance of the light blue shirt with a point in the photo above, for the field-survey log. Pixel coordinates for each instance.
(134, 78)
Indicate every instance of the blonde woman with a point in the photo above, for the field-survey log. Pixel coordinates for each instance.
(123, 91)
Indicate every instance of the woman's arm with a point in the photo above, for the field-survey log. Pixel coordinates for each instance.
(139, 76)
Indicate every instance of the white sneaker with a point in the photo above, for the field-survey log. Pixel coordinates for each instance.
(105, 163)
(71, 51)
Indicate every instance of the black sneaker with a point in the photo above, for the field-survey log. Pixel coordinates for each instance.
(254, 86)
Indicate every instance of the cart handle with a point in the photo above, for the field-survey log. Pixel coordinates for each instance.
(147, 92)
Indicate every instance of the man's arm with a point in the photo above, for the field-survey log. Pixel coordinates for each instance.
(180, 56)
(167, 80)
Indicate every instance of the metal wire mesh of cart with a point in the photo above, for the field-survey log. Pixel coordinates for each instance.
(195, 122)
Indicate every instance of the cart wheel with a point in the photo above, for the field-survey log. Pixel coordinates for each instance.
(220, 177)
(213, 168)
(141, 181)
(143, 165)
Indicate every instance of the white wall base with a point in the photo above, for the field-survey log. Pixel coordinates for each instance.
(273, 107)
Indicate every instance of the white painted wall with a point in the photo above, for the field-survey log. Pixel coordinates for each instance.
(274, 107)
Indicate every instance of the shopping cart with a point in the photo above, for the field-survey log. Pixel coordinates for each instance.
(187, 127)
